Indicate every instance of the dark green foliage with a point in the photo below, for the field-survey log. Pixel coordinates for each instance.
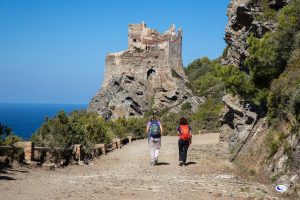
(123, 127)
(207, 116)
(209, 78)
(4, 131)
(263, 60)
(267, 12)
(169, 122)
(7, 137)
(236, 81)
(84, 128)
(284, 97)
(78, 128)
(268, 58)
(198, 68)
(186, 106)
(205, 78)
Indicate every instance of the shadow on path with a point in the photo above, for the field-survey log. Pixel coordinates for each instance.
(163, 163)
(190, 163)
(7, 178)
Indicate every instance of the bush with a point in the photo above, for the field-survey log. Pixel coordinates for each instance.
(78, 128)
(169, 122)
(7, 137)
(263, 60)
(207, 116)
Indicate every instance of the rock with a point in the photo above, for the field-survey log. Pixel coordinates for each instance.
(238, 121)
(49, 166)
(242, 22)
(147, 75)
(278, 4)
(192, 103)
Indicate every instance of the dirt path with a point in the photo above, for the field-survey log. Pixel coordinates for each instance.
(127, 174)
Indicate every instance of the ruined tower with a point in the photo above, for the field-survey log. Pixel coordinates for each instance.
(147, 75)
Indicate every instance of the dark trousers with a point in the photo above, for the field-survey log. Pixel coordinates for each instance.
(183, 147)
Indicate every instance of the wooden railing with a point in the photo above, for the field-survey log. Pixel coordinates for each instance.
(30, 149)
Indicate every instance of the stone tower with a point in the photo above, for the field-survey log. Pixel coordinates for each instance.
(147, 75)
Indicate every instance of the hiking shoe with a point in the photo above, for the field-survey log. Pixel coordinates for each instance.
(180, 163)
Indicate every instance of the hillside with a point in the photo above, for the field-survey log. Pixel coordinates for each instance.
(260, 73)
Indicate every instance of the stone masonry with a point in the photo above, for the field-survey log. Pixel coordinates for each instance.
(149, 75)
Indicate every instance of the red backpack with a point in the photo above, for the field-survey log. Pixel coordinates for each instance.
(185, 133)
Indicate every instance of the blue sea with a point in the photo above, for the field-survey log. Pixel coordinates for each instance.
(25, 119)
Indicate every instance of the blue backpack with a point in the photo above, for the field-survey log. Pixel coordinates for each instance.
(154, 129)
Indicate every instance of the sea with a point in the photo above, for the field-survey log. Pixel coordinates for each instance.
(24, 118)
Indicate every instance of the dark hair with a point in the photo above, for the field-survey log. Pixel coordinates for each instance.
(183, 121)
(153, 118)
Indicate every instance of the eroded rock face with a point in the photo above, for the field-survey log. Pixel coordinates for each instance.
(147, 75)
(238, 121)
(242, 22)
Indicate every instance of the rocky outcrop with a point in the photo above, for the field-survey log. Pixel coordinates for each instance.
(238, 121)
(191, 104)
(149, 75)
(242, 15)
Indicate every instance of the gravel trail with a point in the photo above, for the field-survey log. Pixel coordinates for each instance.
(126, 174)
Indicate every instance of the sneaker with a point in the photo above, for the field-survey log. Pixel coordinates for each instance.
(155, 162)
(180, 163)
(152, 163)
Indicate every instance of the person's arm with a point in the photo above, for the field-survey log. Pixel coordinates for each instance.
(161, 129)
(178, 130)
(147, 131)
(191, 136)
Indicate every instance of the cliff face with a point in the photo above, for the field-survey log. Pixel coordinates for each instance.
(242, 21)
(149, 75)
(244, 132)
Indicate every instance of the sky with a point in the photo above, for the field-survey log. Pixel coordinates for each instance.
(53, 51)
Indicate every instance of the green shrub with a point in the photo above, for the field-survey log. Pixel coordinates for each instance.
(198, 68)
(186, 106)
(263, 60)
(78, 128)
(169, 123)
(207, 116)
(7, 137)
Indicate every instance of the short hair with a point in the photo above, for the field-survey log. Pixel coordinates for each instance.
(183, 121)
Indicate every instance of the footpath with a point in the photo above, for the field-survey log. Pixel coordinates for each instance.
(126, 174)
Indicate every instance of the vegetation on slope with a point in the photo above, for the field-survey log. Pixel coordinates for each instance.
(7, 137)
(84, 128)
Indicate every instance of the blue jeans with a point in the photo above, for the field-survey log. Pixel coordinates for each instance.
(183, 146)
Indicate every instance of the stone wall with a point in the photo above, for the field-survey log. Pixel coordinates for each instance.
(147, 75)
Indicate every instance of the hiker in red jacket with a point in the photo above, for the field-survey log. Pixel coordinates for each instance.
(185, 139)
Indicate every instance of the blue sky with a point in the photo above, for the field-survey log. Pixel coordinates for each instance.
(53, 51)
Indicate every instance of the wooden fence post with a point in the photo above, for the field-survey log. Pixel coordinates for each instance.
(101, 147)
(28, 148)
(129, 139)
(116, 143)
(78, 151)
